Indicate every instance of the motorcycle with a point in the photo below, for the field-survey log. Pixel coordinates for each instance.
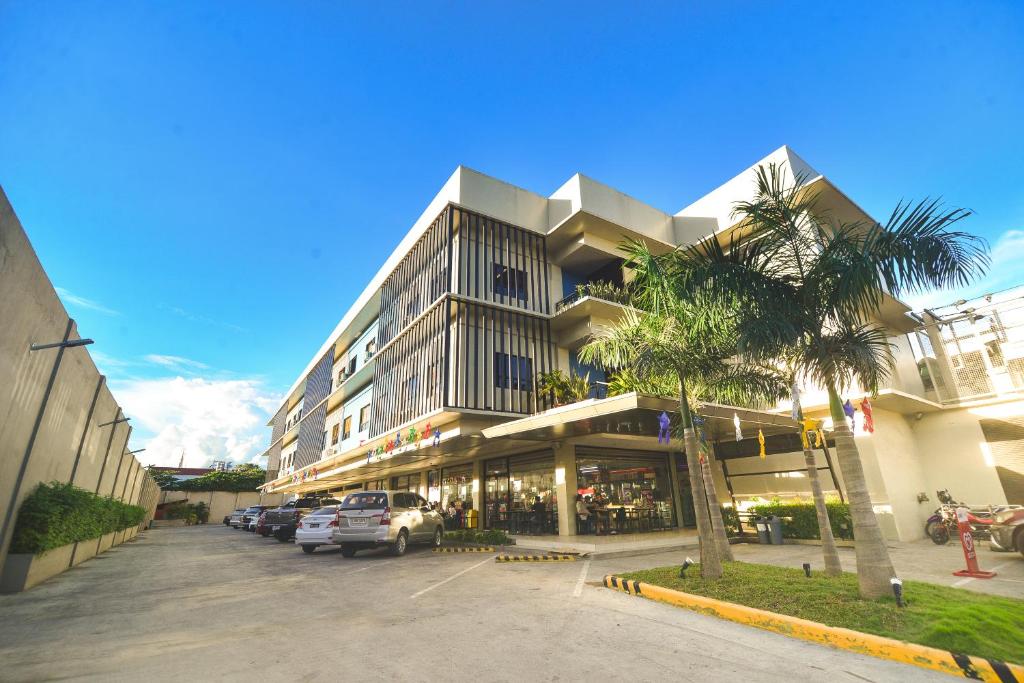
(942, 525)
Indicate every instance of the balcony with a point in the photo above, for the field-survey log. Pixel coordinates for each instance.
(592, 305)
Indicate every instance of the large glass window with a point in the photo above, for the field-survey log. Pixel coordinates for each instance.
(624, 491)
(519, 494)
(457, 485)
(408, 482)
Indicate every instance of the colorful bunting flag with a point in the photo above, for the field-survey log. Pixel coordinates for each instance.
(736, 424)
(760, 443)
(869, 419)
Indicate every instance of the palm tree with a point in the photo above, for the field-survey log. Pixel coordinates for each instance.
(810, 286)
(828, 542)
(689, 341)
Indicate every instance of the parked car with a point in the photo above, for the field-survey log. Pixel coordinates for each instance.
(1008, 531)
(235, 520)
(284, 520)
(371, 519)
(227, 517)
(251, 514)
(261, 528)
(315, 529)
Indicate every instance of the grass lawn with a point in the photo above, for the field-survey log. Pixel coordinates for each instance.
(938, 616)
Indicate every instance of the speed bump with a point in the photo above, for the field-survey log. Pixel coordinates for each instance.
(485, 549)
(954, 663)
(535, 558)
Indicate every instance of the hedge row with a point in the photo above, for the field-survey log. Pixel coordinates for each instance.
(800, 520)
(488, 537)
(57, 514)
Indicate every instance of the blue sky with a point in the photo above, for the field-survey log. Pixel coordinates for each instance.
(212, 184)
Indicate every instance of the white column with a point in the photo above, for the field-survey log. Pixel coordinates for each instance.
(565, 487)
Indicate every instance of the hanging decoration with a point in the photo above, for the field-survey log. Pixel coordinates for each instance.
(807, 431)
(760, 443)
(315, 473)
(412, 436)
(819, 430)
(797, 413)
(437, 436)
(869, 418)
(850, 411)
(398, 439)
(664, 422)
(736, 424)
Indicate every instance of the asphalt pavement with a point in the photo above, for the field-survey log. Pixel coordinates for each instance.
(213, 603)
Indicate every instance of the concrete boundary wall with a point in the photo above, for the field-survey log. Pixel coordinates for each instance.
(222, 503)
(68, 443)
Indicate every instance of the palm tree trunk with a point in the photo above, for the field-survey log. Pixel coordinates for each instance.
(715, 508)
(874, 568)
(828, 541)
(710, 562)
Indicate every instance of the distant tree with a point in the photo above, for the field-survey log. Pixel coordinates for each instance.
(242, 478)
(165, 480)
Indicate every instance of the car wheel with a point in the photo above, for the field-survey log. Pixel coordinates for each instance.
(938, 532)
(282, 536)
(348, 551)
(400, 545)
(438, 535)
(308, 549)
(264, 533)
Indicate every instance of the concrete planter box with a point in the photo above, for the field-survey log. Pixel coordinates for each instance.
(106, 541)
(84, 550)
(22, 570)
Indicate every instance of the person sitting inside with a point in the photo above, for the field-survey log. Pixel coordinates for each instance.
(582, 515)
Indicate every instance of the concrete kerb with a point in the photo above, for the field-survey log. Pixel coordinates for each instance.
(535, 558)
(953, 663)
(464, 549)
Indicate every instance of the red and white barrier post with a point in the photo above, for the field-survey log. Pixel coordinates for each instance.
(970, 553)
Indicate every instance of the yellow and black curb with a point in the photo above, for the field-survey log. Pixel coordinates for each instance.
(953, 663)
(464, 550)
(535, 558)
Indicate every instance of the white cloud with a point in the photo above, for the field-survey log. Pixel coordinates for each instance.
(175, 361)
(82, 302)
(209, 419)
(1003, 273)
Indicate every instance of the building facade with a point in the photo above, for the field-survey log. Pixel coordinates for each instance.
(429, 382)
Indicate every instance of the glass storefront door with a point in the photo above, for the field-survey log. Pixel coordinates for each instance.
(625, 491)
(456, 495)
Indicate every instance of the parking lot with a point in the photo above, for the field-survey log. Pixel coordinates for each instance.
(204, 603)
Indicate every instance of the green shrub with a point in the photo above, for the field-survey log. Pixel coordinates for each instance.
(57, 514)
(731, 519)
(489, 537)
(800, 520)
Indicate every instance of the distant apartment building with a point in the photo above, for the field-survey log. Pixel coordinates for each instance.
(429, 382)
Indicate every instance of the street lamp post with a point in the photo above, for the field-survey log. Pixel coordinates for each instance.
(65, 343)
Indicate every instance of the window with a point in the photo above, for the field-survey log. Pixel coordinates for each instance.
(510, 282)
(371, 348)
(513, 372)
(347, 431)
(352, 364)
(364, 418)
(334, 435)
(411, 384)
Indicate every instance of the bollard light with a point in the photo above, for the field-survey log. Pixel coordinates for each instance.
(897, 590)
(807, 569)
(687, 563)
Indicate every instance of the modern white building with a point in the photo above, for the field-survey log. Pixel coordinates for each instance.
(428, 383)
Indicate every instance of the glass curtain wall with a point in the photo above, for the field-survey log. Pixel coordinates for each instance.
(624, 491)
(519, 494)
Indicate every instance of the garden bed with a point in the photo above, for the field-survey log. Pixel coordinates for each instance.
(937, 616)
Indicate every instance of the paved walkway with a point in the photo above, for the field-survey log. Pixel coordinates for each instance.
(920, 560)
(211, 603)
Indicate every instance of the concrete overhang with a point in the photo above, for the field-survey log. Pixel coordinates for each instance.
(889, 399)
(586, 241)
(633, 414)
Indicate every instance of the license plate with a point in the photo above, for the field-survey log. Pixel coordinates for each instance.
(314, 526)
(357, 522)
(275, 527)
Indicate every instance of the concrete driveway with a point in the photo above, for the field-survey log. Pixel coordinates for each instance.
(212, 603)
(920, 560)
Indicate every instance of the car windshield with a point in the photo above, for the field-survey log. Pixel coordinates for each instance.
(322, 512)
(365, 501)
(256, 509)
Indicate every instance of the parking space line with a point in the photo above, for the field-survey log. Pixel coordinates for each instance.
(452, 577)
(578, 590)
(963, 582)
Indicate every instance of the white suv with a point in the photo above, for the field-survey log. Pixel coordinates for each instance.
(371, 519)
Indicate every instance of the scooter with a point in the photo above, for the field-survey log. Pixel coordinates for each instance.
(942, 525)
